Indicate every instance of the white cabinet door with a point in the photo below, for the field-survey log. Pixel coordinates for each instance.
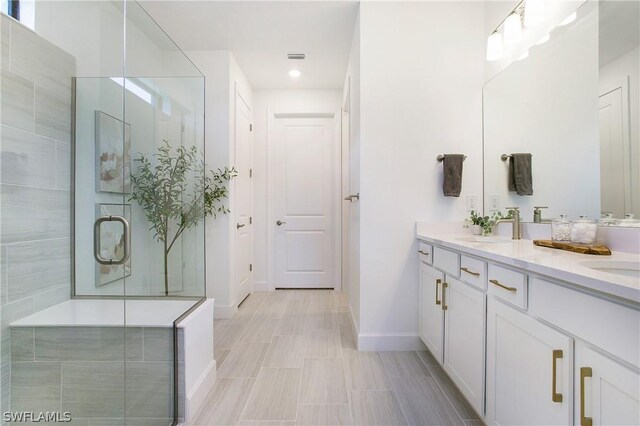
(608, 393)
(431, 313)
(464, 340)
(529, 370)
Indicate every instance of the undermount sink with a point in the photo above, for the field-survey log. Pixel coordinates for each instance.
(618, 267)
(481, 239)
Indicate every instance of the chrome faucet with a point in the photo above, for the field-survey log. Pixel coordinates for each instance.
(515, 220)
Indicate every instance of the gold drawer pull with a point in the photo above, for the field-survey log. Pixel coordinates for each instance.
(423, 252)
(444, 296)
(555, 395)
(506, 287)
(475, 274)
(584, 373)
(438, 282)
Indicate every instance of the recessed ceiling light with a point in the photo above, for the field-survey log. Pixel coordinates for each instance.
(294, 73)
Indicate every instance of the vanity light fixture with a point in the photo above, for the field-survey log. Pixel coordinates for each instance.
(512, 29)
(533, 12)
(494, 46)
(294, 74)
(569, 19)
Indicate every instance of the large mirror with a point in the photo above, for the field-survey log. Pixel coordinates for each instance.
(572, 103)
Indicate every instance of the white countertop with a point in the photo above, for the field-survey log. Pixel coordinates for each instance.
(558, 264)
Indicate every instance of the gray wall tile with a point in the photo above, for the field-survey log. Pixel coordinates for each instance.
(158, 344)
(22, 344)
(87, 343)
(5, 41)
(149, 389)
(17, 101)
(3, 274)
(5, 386)
(33, 213)
(40, 61)
(9, 313)
(63, 165)
(37, 266)
(93, 389)
(52, 297)
(53, 114)
(26, 158)
(35, 386)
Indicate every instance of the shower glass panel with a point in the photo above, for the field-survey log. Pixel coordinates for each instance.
(88, 307)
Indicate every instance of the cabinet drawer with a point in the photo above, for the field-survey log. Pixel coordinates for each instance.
(473, 271)
(603, 323)
(508, 285)
(426, 252)
(447, 261)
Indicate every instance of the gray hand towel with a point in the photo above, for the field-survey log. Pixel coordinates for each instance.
(520, 177)
(452, 166)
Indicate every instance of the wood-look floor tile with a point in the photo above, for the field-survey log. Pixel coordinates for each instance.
(220, 355)
(267, 423)
(453, 393)
(376, 408)
(291, 325)
(424, 403)
(365, 371)
(324, 414)
(323, 382)
(275, 395)
(322, 344)
(473, 423)
(226, 333)
(428, 359)
(260, 330)
(404, 364)
(320, 320)
(244, 360)
(286, 352)
(224, 403)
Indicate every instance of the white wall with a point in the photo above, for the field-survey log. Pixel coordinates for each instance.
(293, 101)
(421, 82)
(611, 75)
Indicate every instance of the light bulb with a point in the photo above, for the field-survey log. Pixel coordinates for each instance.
(294, 73)
(533, 12)
(512, 29)
(544, 39)
(494, 46)
(569, 19)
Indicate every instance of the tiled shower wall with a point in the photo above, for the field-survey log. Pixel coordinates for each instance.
(35, 161)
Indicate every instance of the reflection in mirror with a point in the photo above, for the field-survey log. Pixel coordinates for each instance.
(619, 92)
(546, 104)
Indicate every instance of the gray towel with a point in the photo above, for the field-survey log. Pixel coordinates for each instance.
(520, 178)
(452, 183)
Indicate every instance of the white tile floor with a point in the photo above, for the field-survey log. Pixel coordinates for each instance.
(289, 358)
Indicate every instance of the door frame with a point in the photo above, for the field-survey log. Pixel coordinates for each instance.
(345, 188)
(336, 208)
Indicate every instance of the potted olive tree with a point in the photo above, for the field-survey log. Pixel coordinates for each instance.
(176, 193)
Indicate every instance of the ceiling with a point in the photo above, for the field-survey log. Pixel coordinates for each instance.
(619, 29)
(261, 33)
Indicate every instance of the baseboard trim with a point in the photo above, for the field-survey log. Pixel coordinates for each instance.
(224, 312)
(195, 399)
(369, 342)
(262, 286)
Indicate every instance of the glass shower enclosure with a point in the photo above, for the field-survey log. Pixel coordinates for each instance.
(101, 206)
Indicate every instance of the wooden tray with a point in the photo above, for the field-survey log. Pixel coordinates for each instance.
(576, 248)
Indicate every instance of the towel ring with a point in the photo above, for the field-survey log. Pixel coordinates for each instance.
(440, 158)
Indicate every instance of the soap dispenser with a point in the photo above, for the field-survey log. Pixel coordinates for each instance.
(537, 213)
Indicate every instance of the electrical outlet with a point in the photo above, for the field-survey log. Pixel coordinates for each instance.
(494, 203)
(472, 203)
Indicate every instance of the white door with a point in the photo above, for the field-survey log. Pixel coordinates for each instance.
(304, 195)
(522, 357)
(243, 196)
(431, 313)
(464, 340)
(611, 391)
(613, 155)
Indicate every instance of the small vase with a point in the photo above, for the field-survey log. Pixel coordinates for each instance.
(476, 229)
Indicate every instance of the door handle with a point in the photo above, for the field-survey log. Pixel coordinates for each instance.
(506, 287)
(126, 240)
(584, 373)
(555, 395)
(351, 197)
(238, 226)
(470, 272)
(438, 282)
(280, 223)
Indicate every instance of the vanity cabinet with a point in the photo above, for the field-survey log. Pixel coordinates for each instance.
(529, 370)
(452, 315)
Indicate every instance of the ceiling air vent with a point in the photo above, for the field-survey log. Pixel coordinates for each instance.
(296, 55)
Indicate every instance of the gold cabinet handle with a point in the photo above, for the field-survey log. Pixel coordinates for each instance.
(555, 395)
(423, 252)
(438, 282)
(506, 287)
(584, 373)
(444, 296)
(475, 274)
